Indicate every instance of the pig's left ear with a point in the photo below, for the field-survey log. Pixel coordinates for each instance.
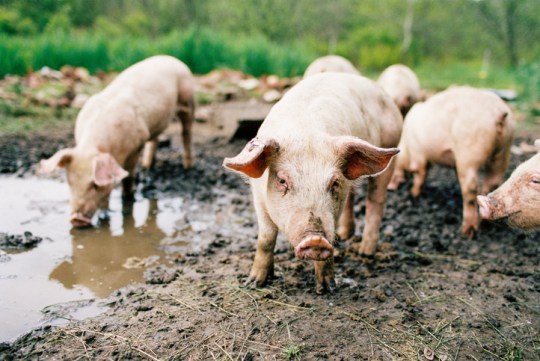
(537, 145)
(254, 158)
(107, 170)
(359, 158)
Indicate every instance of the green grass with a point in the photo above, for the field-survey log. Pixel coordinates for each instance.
(202, 50)
(22, 118)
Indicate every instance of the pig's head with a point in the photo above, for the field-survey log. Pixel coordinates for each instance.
(304, 184)
(517, 200)
(91, 178)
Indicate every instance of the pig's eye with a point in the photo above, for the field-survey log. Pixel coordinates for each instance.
(536, 180)
(282, 185)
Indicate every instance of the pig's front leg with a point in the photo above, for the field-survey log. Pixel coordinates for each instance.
(346, 219)
(263, 265)
(324, 275)
(129, 182)
(376, 197)
(468, 181)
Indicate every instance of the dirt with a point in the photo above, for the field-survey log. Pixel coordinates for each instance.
(427, 294)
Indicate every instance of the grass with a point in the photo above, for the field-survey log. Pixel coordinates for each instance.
(201, 49)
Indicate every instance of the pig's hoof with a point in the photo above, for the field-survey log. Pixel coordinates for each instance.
(188, 163)
(469, 232)
(364, 249)
(253, 283)
(326, 286)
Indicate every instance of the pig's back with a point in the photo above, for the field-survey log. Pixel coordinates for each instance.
(459, 118)
(336, 104)
(152, 88)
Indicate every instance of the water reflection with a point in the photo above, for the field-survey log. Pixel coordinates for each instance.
(116, 252)
(71, 265)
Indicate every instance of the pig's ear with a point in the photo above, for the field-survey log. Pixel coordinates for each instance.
(537, 145)
(359, 158)
(107, 170)
(59, 160)
(254, 158)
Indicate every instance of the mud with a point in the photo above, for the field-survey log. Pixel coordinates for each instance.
(18, 241)
(427, 294)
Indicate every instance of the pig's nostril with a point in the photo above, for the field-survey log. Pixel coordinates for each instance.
(314, 247)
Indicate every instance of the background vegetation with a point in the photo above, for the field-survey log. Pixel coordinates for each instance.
(481, 42)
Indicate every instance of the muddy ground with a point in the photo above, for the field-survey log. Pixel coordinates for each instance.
(428, 294)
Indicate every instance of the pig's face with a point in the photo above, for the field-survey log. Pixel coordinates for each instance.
(304, 199)
(91, 178)
(517, 200)
(304, 186)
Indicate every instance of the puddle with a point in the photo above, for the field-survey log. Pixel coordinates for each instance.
(71, 265)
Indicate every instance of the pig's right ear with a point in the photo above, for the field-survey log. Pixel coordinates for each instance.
(537, 145)
(254, 158)
(360, 158)
(59, 160)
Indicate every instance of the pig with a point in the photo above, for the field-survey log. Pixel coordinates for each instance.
(517, 201)
(328, 131)
(115, 124)
(332, 63)
(403, 86)
(461, 127)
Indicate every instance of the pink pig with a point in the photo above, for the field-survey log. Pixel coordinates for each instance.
(330, 63)
(327, 132)
(113, 127)
(403, 86)
(517, 200)
(464, 128)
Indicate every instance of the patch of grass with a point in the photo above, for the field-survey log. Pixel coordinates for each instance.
(292, 353)
(19, 118)
(201, 49)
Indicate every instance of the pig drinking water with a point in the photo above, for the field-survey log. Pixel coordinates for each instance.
(517, 201)
(402, 85)
(114, 125)
(330, 63)
(461, 127)
(328, 131)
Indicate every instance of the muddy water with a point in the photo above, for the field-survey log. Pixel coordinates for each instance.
(71, 264)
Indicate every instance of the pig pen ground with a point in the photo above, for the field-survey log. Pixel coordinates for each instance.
(427, 294)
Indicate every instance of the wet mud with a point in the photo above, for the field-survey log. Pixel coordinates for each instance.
(427, 294)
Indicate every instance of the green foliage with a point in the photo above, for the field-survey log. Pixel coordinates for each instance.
(59, 24)
(11, 22)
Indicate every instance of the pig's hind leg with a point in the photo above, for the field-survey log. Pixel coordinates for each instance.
(149, 153)
(468, 181)
(375, 200)
(186, 115)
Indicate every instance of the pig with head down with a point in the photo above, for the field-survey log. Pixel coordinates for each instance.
(330, 63)
(113, 127)
(516, 201)
(403, 86)
(328, 131)
(463, 128)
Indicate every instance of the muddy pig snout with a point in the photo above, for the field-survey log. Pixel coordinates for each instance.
(314, 247)
(79, 220)
(485, 208)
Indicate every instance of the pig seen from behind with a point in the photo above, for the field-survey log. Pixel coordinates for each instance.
(328, 131)
(113, 127)
(516, 201)
(461, 127)
(403, 86)
(330, 63)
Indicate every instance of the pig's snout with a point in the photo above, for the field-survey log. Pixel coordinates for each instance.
(79, 220)
(314, 247)
(485, 207)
